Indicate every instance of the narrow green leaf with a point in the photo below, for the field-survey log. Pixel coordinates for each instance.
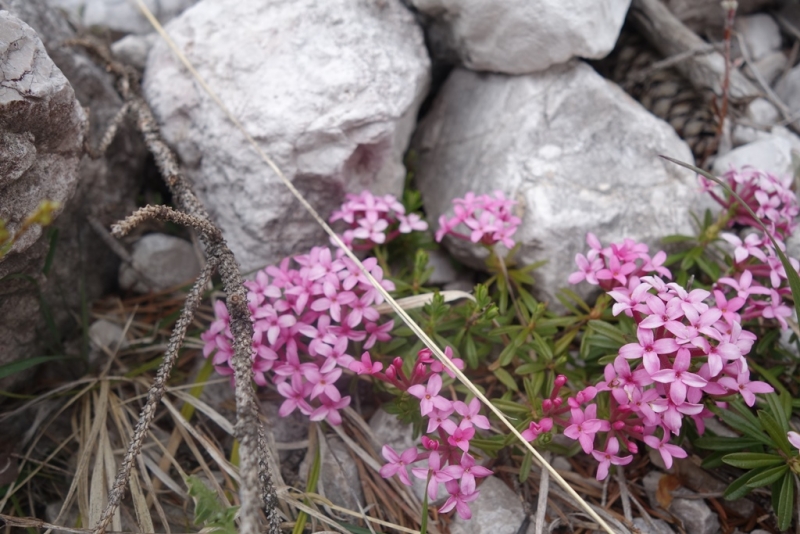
(719, 443)
(423, 528)
(18, 366)
(739, 488)
(785, 497)
(768, 476)
(775, 431)
(745, 427)
(51, 251)
(691, 257)
(670, 239)
(528, 368)
(609, 331)
(506, 378)
(508, 406)
(751, 460)
(525, 467)
(776, 408)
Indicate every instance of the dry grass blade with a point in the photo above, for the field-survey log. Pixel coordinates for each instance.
(418, 301)
(143, 518)
(154, 395)
(205, 409)
(388, 298)
(209, 447)
(87, 447)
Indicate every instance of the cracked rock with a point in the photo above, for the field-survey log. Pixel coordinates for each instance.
(332, 99)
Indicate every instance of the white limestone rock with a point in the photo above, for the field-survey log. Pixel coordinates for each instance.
(160, 262)
(519, 36)
(120, 15)
(771, 154)
(133, 49)
(497, 510)
(577, 153)
(788, 90)
(330, 90)
(760, 33)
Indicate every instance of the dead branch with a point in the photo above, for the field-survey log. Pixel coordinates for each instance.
(256, 476)
(672, 38)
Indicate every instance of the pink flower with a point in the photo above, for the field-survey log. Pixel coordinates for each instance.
(295, 396)
(470, 470)
(324, 383)
(398, 463)
(609, 457)
(411, 222)
(746, 388)
(587, 270)
(366, 366)
(377, 333)
(648, 349)
(460, 495)
(471, 414)
(667, 450)
(794, 439)
(330, 410)
(535, 429)
(429, 396)
(679, 378)
(461, 437)
(438, 474)
(584, 426)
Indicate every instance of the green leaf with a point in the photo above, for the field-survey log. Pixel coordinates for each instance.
(670, 239)
(719, 443)
(51, 252)
(776, 409)
(745, 427)
(508, 406)
(506, 378)
(529, 368)
(542, 347)
(768, 476)
(689, 260)
(564, 342)
(775, 431)
(525, 467)
(608, 331)
(751, 460)
(784, 492)
(18, 366)
(738, 488)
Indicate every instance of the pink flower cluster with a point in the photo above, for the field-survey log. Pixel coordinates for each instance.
(304, 319)
(447, 452)
(488, 219)
(758, 283)
(612, 266)
(687, 347)
(375, 220)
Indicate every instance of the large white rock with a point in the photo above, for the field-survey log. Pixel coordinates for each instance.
(330, 90)
(522, 36)
(120, 15)
(578, 153)
(770, 154)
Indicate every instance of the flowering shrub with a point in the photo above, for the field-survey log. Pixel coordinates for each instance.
(375, 220)
(686, 349)
(312, 311)
(488, 218)
(670, 342)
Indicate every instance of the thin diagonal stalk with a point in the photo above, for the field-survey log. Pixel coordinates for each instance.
(148, 412)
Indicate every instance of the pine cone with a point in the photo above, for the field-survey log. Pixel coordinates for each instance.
(664, 92)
